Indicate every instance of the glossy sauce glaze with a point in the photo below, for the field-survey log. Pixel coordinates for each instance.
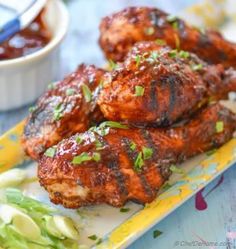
(27, 41)
(63, 110)
(156, 86)
(121, 30)
(116, 165)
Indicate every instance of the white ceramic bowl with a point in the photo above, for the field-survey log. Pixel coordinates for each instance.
(24, 79)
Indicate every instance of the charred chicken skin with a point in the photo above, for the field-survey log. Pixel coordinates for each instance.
(65, 109)
(113, 164)
(120, 31)
(157, 86)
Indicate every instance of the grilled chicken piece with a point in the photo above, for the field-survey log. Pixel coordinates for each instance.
(120, 31)
(156, 86)
(69, 107)
(114, 165)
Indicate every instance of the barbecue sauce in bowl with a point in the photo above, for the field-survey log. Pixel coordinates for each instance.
(27, 41)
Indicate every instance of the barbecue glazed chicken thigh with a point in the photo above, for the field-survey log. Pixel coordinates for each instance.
(120, 31)
(113, 164)
(152, 87)
(157, 86)
(68, 107)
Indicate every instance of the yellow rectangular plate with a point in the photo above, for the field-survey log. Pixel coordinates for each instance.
(118, 229)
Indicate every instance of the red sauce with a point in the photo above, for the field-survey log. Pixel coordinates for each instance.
(27, 41)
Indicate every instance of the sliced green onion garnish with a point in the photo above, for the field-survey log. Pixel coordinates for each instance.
(124, 210)
(175, 25)
(197, 67)
(102, 131)
(184, 54)
(138, 60)
(22, 222)
(27, 223)
(98, 144)
(147, 153)
(138, 164)
(113, 124)
(51, 86)
(99, 241)
(93, 237)
(87, 93)
(57, 112)
(51, 226)
(12, 178)
(156, 233)
(83, 157)
(210, 152)
(70, 91)
(160, 42)
(219, 126)
(32, 108)
(153, 57)
(15, 196)
(132, 145)
(173, 53)
(166, 186)
(96, 156)
(50, 152)
(149, 31)
(139, 91)
(174, 169)
(66, 227)
(78, 139)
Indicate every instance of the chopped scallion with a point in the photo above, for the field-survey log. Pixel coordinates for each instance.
(84, 156)
(139, 91)
(138, 60)
(147, 153)
(160, 42)
(93, 237)
(173, 53)
(32, 108)
(51, 86)
(153, 57)
(166, 186)
(184, 54)
(87, 93)
(79, 139)
(138, 164)
(174, 169)
(99, 241)
(197, 67)
(98, 144)
(113, 124)
(210, 152)
(219, 126)
(96, 156)
(70, 91)
(50, 152)
(132, 145)
(175, 25)
(57, 112)
(156, 233)
(149, 31)
(124, 210)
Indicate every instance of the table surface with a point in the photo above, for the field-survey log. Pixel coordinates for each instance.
(187, 227)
